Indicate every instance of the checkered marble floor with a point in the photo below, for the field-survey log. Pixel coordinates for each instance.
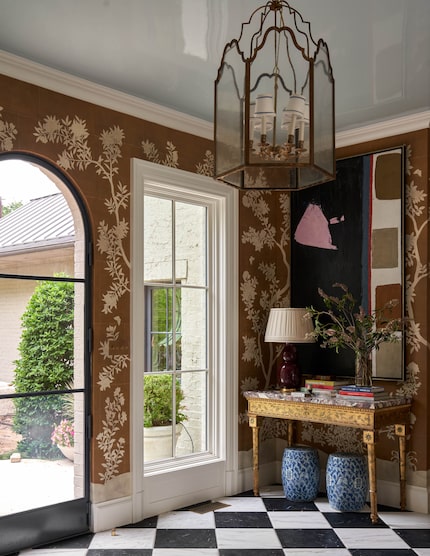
(268, 525)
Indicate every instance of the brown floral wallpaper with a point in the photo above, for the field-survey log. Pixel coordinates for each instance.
(93, 146)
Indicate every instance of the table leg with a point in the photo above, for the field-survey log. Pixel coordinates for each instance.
(369, 440)
(253, 423)
(290, 433)
(401, 433)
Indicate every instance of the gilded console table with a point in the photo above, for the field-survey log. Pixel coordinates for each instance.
(369, 417)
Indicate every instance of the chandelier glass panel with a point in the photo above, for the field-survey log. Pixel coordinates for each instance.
(274, 105)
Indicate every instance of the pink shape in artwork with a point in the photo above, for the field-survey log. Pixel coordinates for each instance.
(313, 228)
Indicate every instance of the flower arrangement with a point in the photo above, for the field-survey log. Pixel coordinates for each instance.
(345, 324)
(64, 434)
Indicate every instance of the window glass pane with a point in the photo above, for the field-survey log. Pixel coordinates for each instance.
(158, 252)
(43, 346)
(190, 244)
(190, 417)
(49, 436)
(37, 228)
(41, 263)
(165, 332)
(158, 416)
(176, 328)
(14, 298)
(193, 329)
(161, 349)
(193, 435)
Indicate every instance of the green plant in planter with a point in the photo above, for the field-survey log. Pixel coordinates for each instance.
(157, 405)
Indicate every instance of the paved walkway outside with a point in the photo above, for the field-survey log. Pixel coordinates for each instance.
(29, 483)
(33, 483)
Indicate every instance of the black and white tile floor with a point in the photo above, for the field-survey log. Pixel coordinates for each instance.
(268, 525)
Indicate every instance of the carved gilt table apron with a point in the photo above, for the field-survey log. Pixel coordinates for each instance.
(370, 418)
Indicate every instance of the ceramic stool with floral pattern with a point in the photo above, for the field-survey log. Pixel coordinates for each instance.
(300, 473)
(347, 481)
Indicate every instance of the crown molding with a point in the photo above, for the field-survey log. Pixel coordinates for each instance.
(388, 128)
(66, 84)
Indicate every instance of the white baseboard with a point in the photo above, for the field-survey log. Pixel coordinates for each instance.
(111, 514)
(233, 483)
(417, 498)
(269, 474)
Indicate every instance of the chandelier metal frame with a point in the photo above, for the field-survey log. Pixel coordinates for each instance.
(274, 104)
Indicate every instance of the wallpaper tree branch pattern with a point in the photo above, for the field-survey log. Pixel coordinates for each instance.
(77, 154)
(8, 133)
(265, 283)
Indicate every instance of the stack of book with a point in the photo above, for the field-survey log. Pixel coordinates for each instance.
(328, 387)
(363, 393)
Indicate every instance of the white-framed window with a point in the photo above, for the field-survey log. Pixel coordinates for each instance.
(184, 316)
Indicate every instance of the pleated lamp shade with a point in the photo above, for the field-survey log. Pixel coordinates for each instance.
(291, 325)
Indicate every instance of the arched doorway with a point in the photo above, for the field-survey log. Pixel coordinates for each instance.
(44, 357)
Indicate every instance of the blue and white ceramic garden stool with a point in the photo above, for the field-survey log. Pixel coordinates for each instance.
(347, 481)
(300, 473)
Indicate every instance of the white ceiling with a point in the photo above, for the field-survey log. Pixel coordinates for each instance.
(168, 51)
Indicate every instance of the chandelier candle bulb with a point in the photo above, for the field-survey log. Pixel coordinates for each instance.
(292, 129)
(263, 128)
(253, 122)
(304, 120)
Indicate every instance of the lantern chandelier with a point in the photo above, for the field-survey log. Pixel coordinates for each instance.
(274, 104)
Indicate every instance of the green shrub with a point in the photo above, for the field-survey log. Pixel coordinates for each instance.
(157, 405)
(46, 363)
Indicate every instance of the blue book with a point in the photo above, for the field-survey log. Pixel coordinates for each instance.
(372, 389)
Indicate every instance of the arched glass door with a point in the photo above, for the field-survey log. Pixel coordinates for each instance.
(44, 359)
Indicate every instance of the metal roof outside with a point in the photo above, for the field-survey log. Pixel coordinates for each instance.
(39, 224)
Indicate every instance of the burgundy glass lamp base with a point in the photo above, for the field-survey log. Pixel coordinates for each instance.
(290, 326)
(289, 373)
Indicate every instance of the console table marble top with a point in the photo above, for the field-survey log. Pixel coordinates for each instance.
(326, 400)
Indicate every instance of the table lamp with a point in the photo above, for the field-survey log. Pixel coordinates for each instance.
(292, 327)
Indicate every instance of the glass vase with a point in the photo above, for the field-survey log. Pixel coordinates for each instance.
(363, 369)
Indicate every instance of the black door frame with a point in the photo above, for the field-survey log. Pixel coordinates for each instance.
(47, 524)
